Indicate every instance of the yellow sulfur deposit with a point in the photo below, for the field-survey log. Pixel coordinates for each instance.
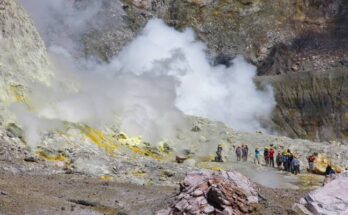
(123, 139)
(137, 146)
(17, 93)
(145, 152)
(13, 94)
(106, 178)
(138, 174)
(99, 139)
(211, 157)
(308, 181)
(321, 162)
(109, 144)
(164, 147)
(52, 158)
(216, 168)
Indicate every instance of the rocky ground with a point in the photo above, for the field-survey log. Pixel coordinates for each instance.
(85, 176)
(278, 201)
(59, 193)
(30, 193)
(90, 171)
(33, 185)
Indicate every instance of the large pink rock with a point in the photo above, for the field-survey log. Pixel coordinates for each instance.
(332, 198)
(206, 192)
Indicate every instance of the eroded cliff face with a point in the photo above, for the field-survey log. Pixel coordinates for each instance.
(23, 59)
(253, 28)
(312, 105)
(250, 28)
(298, 46)
(311, 70)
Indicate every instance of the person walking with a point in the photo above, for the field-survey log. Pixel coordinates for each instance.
(279, 160)
(266, 155)
(311, 160)
(257, 156)
(245, 152)
(329, 171)
(285, 160)
(290, 158)
(271, 157)
(239, 153)
(295, 163)
(218, 157)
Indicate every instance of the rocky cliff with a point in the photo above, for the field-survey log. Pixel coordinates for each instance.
(298, 46)
(23, 59)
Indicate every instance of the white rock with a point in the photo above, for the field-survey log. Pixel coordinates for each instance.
(190, 162)
(330, 199)
(209, 209)
(301, 210)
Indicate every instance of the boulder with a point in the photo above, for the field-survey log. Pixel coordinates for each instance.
(321, 162)
(30, 159)
(332, 198)
(301, 209)
(195, 128)
(14, 130)
(180, 158)
(214, 193)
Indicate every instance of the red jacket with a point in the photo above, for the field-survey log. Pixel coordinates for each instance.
(271, 153)
(311, 159)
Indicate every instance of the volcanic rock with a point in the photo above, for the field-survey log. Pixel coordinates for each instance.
(214, 193)
(330, 199)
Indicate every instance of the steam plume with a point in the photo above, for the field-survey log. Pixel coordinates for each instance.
(157, 78)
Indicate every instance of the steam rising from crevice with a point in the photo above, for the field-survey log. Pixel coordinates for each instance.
(157, 78)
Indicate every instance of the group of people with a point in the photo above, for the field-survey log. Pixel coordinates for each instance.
(242, 152)
(285, 160)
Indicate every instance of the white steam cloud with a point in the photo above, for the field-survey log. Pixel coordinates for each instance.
(61, 22)
(157, 77)
(226, 94)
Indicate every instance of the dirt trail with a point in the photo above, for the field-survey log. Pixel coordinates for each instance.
(267, 176)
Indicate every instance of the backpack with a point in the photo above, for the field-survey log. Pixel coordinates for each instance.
(285, 159)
